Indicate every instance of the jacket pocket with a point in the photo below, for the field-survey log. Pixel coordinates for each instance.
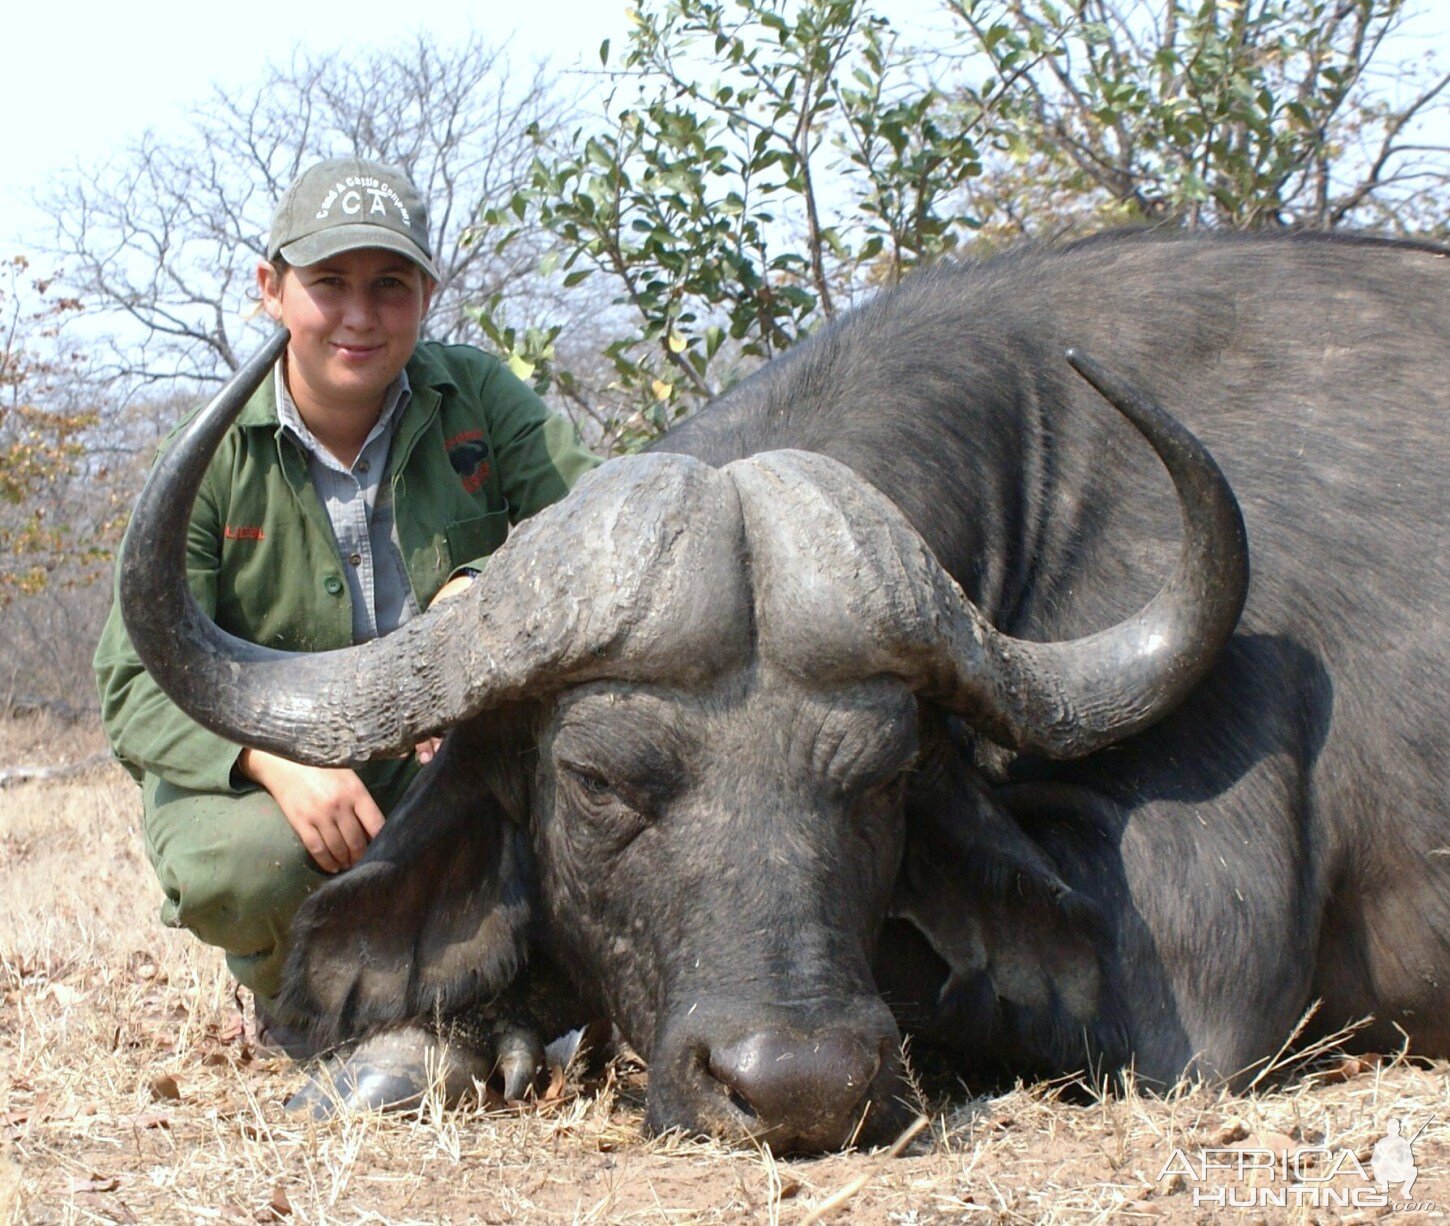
(469, 539)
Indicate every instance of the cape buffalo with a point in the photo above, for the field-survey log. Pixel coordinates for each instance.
(851, 707)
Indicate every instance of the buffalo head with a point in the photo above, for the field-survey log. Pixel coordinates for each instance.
(688, 703)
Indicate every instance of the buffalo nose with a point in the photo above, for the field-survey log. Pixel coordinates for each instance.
(799, 1086)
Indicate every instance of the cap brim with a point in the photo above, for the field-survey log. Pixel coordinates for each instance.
(325, 244)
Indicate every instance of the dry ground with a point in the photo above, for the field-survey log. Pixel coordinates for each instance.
(129, 1093)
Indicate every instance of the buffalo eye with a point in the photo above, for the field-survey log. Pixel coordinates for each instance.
(888, 792)
(885, 791)
(592, 782)
(597, 794)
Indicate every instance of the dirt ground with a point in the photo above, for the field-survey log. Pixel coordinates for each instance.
(129, 1093)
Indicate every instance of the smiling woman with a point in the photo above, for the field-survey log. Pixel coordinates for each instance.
(354, 321)
(365, 480)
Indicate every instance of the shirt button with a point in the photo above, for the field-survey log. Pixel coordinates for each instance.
(363, 466)
(333, 584)
(355, 559)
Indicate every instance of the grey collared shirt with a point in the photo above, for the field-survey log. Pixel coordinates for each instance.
(359, 504)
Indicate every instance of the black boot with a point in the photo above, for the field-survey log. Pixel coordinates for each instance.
(275, 1037)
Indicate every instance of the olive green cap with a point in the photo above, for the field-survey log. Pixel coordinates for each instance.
(346, 204)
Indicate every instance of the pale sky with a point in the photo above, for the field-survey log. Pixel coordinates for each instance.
(82, 78)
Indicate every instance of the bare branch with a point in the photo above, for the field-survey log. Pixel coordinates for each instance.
(163, 239)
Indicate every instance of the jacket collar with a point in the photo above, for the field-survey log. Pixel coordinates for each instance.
(425, 371)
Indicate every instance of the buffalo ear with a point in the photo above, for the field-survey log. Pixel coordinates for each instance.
(432, 919)
(1020, 947)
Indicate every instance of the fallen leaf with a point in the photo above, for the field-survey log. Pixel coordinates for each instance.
(63, 994)
(278, 1207)
(1233, 1131)
(1348, 1069)
(96, 1183)
(556, 1084)
(165, 1088)
(146, 1119)
(789, 1188)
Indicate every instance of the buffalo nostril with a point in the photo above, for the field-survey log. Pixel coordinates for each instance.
(740, 1103)
(801, 1085)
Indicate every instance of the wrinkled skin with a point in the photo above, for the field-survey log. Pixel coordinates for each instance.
(746, 959)
(741, 746)
(745, 979)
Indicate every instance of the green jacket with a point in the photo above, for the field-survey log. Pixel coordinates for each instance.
(474, 452)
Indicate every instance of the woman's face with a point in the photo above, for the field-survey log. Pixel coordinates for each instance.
(354, 321)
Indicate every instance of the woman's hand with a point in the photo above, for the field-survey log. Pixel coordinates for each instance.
(456, 586)
(331, 809)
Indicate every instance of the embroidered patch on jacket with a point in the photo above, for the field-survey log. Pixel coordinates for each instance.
(243, 532)
(468, 453)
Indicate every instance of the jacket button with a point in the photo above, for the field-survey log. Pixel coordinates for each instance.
(333, 584)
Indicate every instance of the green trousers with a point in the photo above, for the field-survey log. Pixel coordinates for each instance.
(234, 871)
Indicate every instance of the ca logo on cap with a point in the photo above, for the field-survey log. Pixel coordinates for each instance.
(354, 196)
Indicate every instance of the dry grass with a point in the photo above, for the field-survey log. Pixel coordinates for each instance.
(128, 1093)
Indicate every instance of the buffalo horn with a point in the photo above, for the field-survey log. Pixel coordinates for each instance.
(846, 588)
(606, 576)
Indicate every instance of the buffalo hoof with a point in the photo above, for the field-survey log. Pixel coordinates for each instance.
(519, 1061)
(396, 1070)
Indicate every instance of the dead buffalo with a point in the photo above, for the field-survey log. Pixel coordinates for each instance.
(852, 706)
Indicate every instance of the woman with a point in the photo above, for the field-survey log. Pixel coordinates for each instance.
(370, 477)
